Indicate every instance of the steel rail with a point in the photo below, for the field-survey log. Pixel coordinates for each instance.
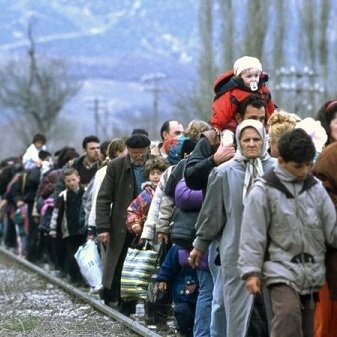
(85, 297)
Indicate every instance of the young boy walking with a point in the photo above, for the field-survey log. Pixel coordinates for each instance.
(66, 220)
(287, 222)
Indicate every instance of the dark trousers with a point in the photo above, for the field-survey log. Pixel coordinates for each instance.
(32, 237)
(44, 247)
(258, 323)
(114, 293)
(72, 243)
(58, 254)
(9, 232)
(292, 314)
(184, 313)
(158, 312)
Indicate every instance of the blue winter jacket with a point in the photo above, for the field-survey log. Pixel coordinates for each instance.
(182, 281)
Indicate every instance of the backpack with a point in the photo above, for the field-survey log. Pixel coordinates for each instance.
(182, 227)
(6, 174)
(17, 186)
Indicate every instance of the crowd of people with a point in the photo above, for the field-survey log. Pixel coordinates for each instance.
(245, 206)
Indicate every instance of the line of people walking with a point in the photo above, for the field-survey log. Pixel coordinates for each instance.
(245, 206)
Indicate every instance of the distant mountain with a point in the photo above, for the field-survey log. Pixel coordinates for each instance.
(152, 32)
(110, 44)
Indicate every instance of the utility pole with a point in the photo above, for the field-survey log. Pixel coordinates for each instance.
(96, 115)
(303, 87)
(95, 106)
(152, 82)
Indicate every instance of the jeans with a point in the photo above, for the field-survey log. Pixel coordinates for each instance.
(218, 316)
(202, 321)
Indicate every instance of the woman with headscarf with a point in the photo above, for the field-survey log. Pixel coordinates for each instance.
(220, 215)
(326, 308)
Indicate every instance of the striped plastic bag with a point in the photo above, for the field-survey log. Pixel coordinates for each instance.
(139, 264)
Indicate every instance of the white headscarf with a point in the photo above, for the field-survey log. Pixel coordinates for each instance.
(254, 168)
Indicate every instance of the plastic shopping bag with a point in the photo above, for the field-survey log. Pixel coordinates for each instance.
(90, 263)
(138, 267)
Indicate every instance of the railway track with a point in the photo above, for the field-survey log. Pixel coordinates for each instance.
(31, 275)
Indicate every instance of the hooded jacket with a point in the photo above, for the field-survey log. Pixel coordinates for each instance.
(296, 220)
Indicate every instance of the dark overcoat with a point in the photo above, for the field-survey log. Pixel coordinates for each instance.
(115, 194)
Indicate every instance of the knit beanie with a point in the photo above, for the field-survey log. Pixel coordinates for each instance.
(246, 62)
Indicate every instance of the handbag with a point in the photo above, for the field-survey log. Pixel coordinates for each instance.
(136, 272)
(90, 264)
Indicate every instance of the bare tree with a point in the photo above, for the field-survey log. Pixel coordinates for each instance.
(36, 89)
(188, 105)
(315, 22)
(255, 28)
(196, 100)
(278, 54)
(315, 45)
(206, 73)
(323, 43)
(227, 33)
(308, 20)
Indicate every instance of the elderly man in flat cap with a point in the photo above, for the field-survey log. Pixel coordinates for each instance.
(122, 183)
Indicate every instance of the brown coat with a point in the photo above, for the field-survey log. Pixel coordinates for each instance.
(325, 170)
(117, 189)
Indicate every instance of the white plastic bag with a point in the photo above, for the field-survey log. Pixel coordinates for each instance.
(90, 264)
